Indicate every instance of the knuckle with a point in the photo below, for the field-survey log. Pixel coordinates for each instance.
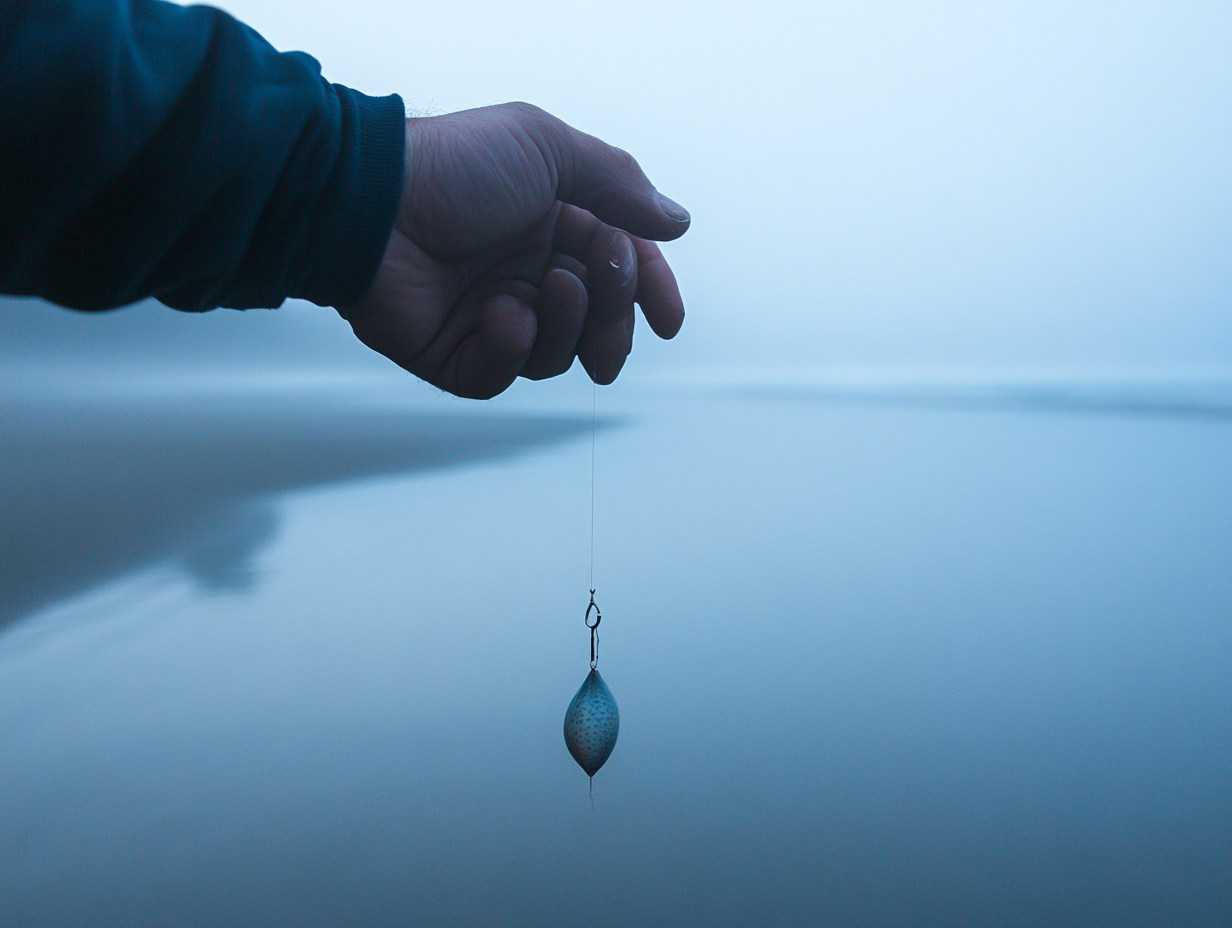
(530, 115)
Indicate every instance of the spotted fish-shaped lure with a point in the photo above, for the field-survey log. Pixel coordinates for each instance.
(592, 724)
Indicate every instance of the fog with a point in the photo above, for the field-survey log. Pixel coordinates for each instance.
(985, 186)
(999, 190)
(913, 548)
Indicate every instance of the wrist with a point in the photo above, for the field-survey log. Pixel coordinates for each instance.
(355, 214)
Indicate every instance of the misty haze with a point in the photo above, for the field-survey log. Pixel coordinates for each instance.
(914, 547)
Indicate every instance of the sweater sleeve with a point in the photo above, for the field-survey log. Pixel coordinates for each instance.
(149, 149)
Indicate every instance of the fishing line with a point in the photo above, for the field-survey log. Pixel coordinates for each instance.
(594, 405)
(592, 721)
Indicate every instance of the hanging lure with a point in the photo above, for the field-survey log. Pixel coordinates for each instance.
(592, 721)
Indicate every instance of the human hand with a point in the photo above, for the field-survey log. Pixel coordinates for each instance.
(520, 243)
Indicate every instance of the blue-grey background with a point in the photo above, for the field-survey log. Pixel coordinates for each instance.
(914, 549)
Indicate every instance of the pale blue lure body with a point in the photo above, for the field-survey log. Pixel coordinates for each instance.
(592, 724)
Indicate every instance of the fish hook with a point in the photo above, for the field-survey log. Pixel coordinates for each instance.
(594, 630)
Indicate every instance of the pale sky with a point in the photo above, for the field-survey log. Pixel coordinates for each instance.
(966, 188)
(1036, 184)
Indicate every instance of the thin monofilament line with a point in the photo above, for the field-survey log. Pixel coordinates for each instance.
(594, 402)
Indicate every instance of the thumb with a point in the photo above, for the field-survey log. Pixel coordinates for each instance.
(607, 182)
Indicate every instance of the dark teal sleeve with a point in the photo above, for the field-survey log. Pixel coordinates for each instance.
(153, 150)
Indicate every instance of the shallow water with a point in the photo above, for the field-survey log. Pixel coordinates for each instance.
(278, 662)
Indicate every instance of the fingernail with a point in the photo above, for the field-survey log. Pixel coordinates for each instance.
(673, 209)
(620, 258)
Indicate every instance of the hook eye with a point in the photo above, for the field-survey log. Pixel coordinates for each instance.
(598, 615)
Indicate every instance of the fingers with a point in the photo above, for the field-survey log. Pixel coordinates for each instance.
(582, 307)
(609, 183)
(611, 280)
(611, 275)
(657, 292)
(487, 361)
(609, 256)
(562, 313)
(604, 346)
(582, 236)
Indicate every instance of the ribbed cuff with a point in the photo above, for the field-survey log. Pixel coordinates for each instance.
(356, 212)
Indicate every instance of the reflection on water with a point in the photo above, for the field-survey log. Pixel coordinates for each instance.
(876, 666)
(91, 491)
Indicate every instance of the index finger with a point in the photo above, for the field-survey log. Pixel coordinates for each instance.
(657, 291)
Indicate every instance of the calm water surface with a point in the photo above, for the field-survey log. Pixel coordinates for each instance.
(278, 662)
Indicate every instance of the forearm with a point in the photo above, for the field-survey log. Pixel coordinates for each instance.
(152, 150)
